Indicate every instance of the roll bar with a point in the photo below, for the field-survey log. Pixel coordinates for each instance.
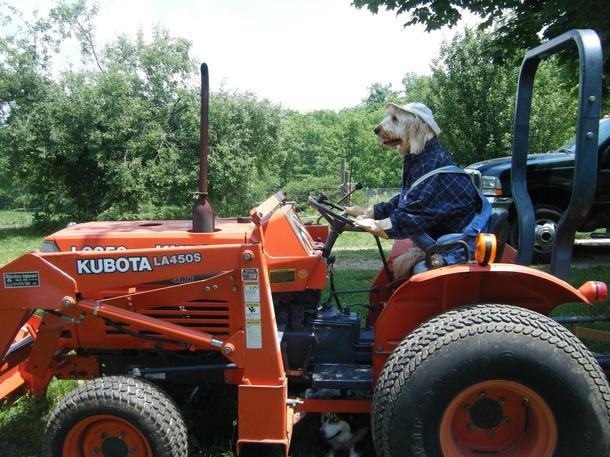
(585, 163)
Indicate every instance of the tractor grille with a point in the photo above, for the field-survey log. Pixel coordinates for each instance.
(211, 317)
(206, 316)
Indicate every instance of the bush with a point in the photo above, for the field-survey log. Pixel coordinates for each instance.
(299, 189)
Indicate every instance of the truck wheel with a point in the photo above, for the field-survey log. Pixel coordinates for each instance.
(491, 380)
(116, 416)
(547, 217)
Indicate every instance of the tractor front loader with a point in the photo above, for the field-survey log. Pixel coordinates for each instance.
(456, 361)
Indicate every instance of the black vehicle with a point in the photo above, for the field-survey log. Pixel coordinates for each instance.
(549, 180)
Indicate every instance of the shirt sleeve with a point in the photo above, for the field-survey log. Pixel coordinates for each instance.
(418, 213)
(383, 210)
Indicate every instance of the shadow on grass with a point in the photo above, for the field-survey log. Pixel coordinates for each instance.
(213, 428)
(29, 231)
(22, 427)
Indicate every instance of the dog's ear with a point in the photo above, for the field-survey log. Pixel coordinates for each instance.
(419, 134)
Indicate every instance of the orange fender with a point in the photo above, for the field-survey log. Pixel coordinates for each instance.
(431, 293)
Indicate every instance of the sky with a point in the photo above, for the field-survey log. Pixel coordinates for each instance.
(302, 54)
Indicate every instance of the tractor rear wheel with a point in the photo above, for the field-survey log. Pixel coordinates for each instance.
(116, 416)
(491, 380)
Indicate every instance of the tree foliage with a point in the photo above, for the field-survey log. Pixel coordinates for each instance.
(118, 136)
(516, 24)
(473, 99)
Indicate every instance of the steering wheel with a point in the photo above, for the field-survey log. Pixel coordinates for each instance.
(325, 208)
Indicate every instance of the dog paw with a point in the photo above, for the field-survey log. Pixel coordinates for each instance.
(437, 261)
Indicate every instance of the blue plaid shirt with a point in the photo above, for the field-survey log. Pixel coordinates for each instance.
(443, 203)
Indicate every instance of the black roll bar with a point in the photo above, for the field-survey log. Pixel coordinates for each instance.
(585, 162)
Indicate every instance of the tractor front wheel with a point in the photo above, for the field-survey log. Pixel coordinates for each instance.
(491, 380)
(116, 416)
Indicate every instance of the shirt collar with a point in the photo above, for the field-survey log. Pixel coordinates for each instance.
(431, 145)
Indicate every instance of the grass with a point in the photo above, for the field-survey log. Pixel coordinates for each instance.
(210, 417)
(17, 236)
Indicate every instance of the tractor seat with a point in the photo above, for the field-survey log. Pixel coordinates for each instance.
(499, 226)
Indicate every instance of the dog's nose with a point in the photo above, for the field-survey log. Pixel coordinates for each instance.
(376, 130)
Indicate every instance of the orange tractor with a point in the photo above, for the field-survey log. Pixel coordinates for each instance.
(456, 361)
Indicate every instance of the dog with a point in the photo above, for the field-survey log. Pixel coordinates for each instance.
(409, 134)
(404, 130)
(339, 436)
(402, 266)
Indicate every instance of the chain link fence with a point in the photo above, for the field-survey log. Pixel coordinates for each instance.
(373, 196)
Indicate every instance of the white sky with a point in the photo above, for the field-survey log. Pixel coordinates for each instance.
(304, 54)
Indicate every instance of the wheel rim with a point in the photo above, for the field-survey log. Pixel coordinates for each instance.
(105, 436)
(544, 230)
(498, 417)
(544, 234)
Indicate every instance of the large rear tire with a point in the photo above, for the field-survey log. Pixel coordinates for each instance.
(116, 416)
(491, 380)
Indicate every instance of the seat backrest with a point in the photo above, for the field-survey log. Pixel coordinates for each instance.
(499, 226)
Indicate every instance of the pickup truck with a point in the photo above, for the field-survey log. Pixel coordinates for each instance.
(549, 180)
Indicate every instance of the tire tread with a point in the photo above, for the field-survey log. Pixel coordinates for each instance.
(461, 323)
(142, 398)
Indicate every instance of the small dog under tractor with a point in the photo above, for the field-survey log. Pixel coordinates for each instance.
(456, 361)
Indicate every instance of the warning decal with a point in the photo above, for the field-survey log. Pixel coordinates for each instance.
(252, 308)
(21, 280)
(253, 312)
(254, 337)
(251, 292)
(249, 274)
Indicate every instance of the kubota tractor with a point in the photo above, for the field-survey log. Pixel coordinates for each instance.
(456, 361)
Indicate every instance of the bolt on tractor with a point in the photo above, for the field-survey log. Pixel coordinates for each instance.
(459, 361)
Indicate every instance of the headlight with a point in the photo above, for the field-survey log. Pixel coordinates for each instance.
(490, 185)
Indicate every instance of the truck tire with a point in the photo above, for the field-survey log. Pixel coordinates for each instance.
(546, 217)
(491, 380)
(116, 416)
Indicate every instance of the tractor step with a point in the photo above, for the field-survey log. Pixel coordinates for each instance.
(601, 236)
(342, 376)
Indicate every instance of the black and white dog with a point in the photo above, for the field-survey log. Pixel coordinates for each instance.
(340, 437)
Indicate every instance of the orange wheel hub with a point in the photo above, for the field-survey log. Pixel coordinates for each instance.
(503, 418)
(105, 436)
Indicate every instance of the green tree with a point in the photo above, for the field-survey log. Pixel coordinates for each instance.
(417, 87)
(119, 139)
(516, 24)
(380, 94)
(473, 100)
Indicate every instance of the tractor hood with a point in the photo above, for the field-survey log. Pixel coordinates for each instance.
(118, 236)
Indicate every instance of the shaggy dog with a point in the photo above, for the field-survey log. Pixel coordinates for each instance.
(410, 134)
(339, 436)
(403, 129)
(404, 263)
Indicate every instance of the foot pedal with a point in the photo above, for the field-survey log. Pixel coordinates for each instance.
(342, 376)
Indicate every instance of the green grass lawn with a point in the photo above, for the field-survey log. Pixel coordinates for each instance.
(17, 236)
(210, 417)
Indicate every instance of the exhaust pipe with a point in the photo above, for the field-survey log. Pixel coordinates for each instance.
(203, 214)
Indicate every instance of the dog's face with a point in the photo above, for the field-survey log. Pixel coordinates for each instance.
(403, 129)
(332, 426)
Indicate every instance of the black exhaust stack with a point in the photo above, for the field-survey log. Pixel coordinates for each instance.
(203, 214)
